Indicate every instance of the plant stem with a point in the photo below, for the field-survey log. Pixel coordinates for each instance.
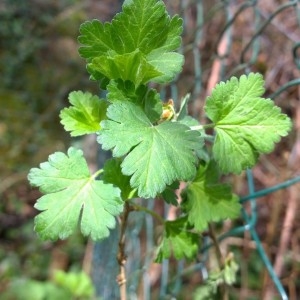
(200, 127)
(216, 244)
(121, 256)
(223, 289)
(97, 173)
(148, 211)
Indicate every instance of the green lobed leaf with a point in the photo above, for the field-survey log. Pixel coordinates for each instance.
(169, 194)
(184, 118)
(85, 114)
(206, 200)
(245, 124)
(137, 45)
(168, 64)
(155, 156)
(131, 66)
(178, 240)
(147, 99)
(72, 197)
(99, 77)
(112, 174)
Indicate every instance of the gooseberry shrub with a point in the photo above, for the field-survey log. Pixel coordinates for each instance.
(154, 146)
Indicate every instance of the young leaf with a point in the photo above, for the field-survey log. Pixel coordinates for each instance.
(129, 66)
(245, 124)
(227, 275)
(206, 200)
(148, 99)
(230, 270)
(177, 240)
(168, 64)
(142, 36)
(112, 174)
(156, 156)
(85, 115)
(72, 197)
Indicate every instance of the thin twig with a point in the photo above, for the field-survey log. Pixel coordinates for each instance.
(217, 246)
(121, 257)
(220, 258)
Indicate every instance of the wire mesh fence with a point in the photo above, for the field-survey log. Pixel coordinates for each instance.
(223, 39)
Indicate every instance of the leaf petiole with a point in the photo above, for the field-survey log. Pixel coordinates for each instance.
(97, 173)
(132, 193)
(202, 127)
(137, 207)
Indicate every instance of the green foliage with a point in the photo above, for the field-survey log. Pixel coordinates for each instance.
(113, 174)
(168, 147)
(245, 123)
(79, 284)
(227, 276)
(153, 146)
(179, 240)
(69, 285)
(147, 99)
(131, 47)
(85, 115)
(26, 289)
(72, 195)
(205, 199)
(169, 194)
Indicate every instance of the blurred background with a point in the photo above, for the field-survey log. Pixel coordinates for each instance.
(40, 65)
